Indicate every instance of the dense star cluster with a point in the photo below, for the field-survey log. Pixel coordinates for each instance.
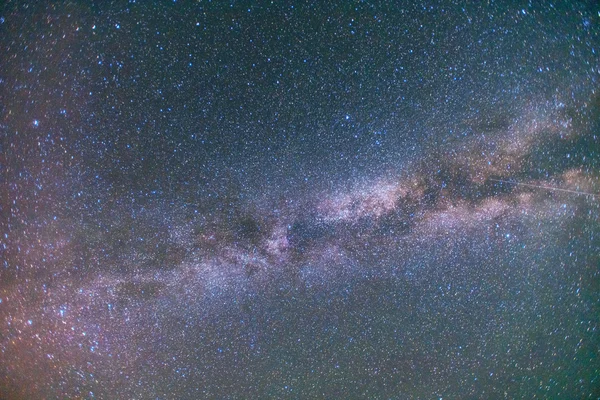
(382, 200)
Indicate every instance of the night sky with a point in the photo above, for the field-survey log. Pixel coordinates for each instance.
(291, 200)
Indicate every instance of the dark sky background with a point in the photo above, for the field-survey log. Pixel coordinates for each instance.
(383, 200)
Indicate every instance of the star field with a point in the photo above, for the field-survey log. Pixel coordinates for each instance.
(300, 200)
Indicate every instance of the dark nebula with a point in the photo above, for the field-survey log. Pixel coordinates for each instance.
(336, 200)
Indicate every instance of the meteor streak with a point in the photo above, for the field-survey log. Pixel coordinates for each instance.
(546, 187)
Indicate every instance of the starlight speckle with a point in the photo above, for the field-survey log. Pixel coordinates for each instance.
(371, 201)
